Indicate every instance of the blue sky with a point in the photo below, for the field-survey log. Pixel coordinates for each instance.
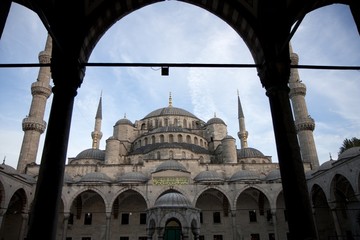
(177, 32)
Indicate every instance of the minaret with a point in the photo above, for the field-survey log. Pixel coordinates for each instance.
(34, 125)
(242, 134)
(305, 125)
(97, 134)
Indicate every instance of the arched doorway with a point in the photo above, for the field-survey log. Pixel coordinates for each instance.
(172, 230)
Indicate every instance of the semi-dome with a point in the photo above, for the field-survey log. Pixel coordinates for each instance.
(172, 199)
(167, 111)
(91, 153)
(124, 121)
(133, 177)
(350, 153)
(215, 120)
(208, 177)
(95, 177)
(249, 153)
(244, 175)
(171, 165)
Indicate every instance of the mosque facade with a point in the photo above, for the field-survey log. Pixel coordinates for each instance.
(172, 175)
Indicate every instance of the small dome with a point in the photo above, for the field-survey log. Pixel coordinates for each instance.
(133, 177)
(273, 175)
(249, 153)
(96, 177)
(7, 168)
(309, 173)
(244, 175)
(228, 137)
(67, 178)
(91, 153)
(171, 165)
(350, 153)
(172, 199)
(215, 120)
(170, 111)
(208, 176)
(326, 165)
(28, 178)
(124, 121)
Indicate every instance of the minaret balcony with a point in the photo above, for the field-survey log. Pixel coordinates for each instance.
(39, 88)
(30, 123)
(305, 124)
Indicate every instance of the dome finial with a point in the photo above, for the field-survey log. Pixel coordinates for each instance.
(214, 114)
(170, 100)
(125, 115)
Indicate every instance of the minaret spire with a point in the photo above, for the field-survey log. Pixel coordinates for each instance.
(97, 134)
(242, 134)
(305, 125)
(34, 125)
(170, 100)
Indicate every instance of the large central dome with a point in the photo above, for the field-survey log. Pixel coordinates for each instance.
(167, 111)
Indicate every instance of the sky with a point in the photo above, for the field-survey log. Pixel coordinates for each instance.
(177, 32)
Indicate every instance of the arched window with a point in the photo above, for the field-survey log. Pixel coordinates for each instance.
(162, 138)
(201, 142)
(188, 139)
(176, 122)
(183, 155)
(166, 122)
(184, 123)
(153, 140)
(157, 155)
(143, 126)
(145, 141)
(171, 154)
(196, 141)
(180, 138)
(171, 138)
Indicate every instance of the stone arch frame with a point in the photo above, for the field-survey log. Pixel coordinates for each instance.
(82, 190)
(121, 191)
(316, 187)
(333, 182)
(2, 194)
(261, 190)
(209, 187)
(7, 190)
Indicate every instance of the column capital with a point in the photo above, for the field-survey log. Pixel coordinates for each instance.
(275, 73)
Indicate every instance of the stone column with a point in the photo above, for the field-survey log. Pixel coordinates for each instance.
(233, 223)
(24, 222)
(336, 221)
(274, 77)
(108, 225)
(67, 76)
(160, 233)
(65, 225)
(274, 220)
